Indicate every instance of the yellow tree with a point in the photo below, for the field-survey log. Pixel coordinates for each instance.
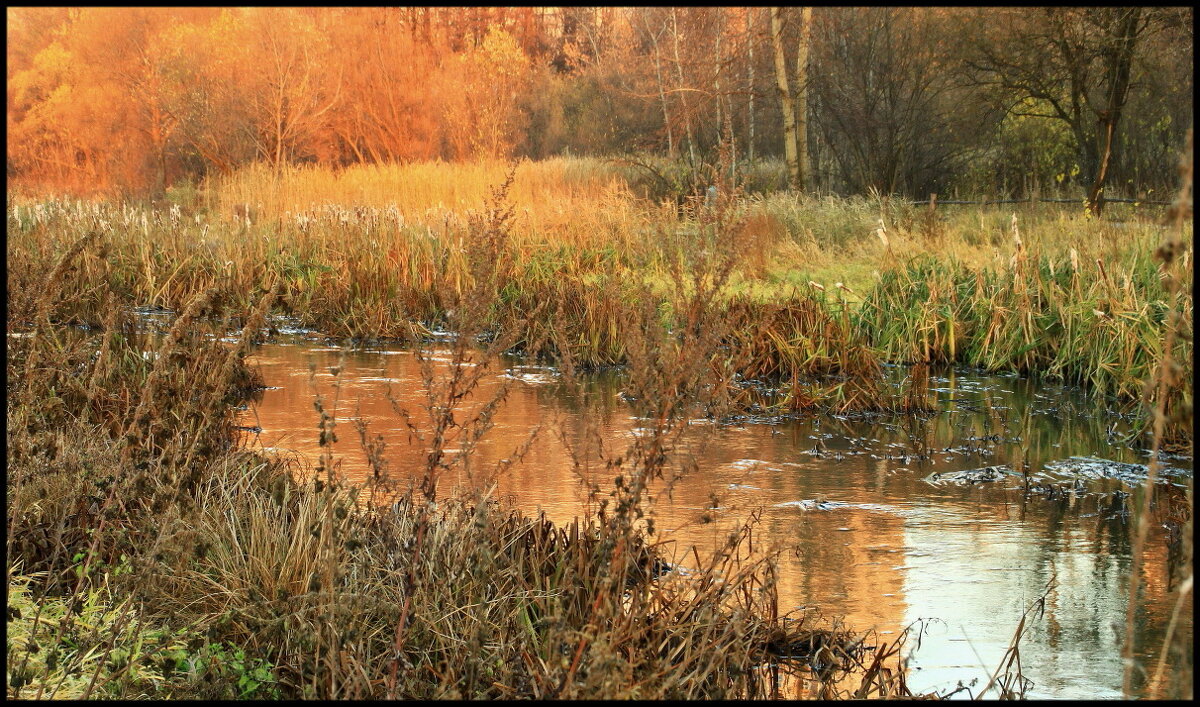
(127, 49)
(386, 112)
(481, 92)
(207, 67)
(93, 104)
(50, 131)
(289, 92)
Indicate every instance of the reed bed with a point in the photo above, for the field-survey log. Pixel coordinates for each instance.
(364, 274)
(548, 196)
(150, 556)
(1080, 322)
(1032, 289)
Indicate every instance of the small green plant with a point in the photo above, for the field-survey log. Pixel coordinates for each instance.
(250, 678)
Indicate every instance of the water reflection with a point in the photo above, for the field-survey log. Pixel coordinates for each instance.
(861, 532)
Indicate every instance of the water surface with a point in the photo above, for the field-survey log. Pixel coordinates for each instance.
(865, 532)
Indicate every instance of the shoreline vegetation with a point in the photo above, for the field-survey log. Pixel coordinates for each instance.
(149, 555)
(827, 288)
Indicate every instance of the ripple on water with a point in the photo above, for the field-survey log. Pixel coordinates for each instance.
(530, 377)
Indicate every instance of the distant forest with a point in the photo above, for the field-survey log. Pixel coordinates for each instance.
(994, 101)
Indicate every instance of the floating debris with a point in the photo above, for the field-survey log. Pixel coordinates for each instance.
(970, 476)
(289, 326)
(810, 504)
(1093, 468)
(533, 375)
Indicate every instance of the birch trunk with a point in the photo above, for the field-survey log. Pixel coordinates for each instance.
(687, 117)
(801, 96)
(662, 95)
(753, 12)
(787, 104)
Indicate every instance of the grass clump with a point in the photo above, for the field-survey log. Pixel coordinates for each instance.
(1080, 322)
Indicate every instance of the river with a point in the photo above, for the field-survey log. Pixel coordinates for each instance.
(865, 529)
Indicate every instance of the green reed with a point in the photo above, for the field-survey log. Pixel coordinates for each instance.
(1088, 322)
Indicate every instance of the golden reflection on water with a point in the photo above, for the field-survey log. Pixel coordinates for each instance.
(860, 533)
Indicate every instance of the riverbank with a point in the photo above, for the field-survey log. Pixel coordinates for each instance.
(174, 563)
(150, 556)
(821, 290)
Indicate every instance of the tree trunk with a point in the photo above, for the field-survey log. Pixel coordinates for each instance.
(1120, 60)
(752, 13)
(785, 98)
(801, 96)
(717, 75)
(662, 95)
(687, 118)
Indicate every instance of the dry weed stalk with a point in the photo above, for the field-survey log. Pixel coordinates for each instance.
(1167, 375)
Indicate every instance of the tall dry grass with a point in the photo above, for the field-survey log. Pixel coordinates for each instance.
(150, 556)
(1167, 413)
(364, 274)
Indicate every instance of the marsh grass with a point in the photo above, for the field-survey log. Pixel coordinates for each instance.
(1037, 290)
(125, 477)
(101, 443)
(362, 275)
(194, 568)
(1167, 412)
(1083, 322)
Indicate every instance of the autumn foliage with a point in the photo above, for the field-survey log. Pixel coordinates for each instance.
(130, 101)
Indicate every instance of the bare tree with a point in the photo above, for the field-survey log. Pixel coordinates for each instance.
(787, 105)
(1074, 61)
(292, 99)
(891, 117)
(793, 94)
(646, 24)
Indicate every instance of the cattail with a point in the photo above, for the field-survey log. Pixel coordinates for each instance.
(881, 233)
